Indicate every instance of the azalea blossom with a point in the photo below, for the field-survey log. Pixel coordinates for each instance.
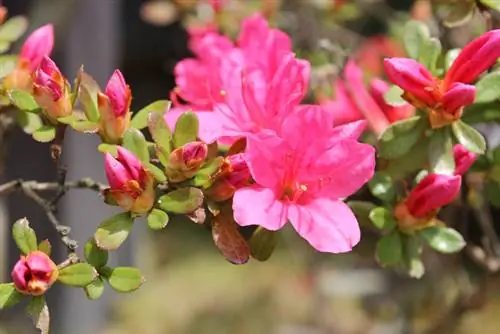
(444, 99)
(463, 159)
(34, 274)
(353, 101)
(301, 174)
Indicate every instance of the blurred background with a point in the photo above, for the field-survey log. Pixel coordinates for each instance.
(190, 287)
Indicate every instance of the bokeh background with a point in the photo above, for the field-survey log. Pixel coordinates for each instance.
(190, 287)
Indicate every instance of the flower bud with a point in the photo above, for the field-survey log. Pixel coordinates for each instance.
(378, 88)
(475, 58)
(185, 161)
(51, 91)
(433, 192)
(130, 184)
(463, 159)
(34, 274)
(37, 46)
(234, 175)
(114, 108)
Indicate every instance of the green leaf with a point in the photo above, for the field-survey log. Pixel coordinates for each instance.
(78, 274)
(430, 55)
(156, 172)
(4, 46)
(161, 135)
(24, 101)
(394, 96)
(94, 255)
(262, 243)
(38, 311)
(382, 187)
(28, 122)
(410, 162)
(7, 64)
(140, 119)
(45, 134)
(125, 279)
(413, 250)
(362, 211)
(13, 28)
(493, 4)
(134, 141)
(488, 88)
(24, 236)
(95, 289)
(400, 137)
(416, 34)
(441, 152)
(450, 57)
(186, 129)
(157, 219)
(113, 231)
(204, 178)
(389, 249)
(182, 200)
(382, 219)
(492, 192)
(87, 95)
(9, 296)
(108, 148)
(443, 239)
(45, 246)
(85, 126)
(469, 137)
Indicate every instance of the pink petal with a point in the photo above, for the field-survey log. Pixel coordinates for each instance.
(342, 108)
(39, 44)
(265, 209)
(116, 173)
(265, 155)
(328, 225)
(350, 130)
(458, 96)
(118, 94)
(377, 89)
(19, 273)
(130, 162)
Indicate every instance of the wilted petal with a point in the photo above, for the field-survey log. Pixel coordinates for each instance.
(458, 96)
(328, 225)
(256, 205)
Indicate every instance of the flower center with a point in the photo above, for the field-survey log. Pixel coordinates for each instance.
(293, 192)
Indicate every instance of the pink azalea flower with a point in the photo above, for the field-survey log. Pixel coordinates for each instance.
(38, 45)
(446, 98)
(463, 159)
(353, 101)
(301, 174)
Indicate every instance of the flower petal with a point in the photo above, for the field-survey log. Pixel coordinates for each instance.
(256, 205)
(458, 96)
(328, 225)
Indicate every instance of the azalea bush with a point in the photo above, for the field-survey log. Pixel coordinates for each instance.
(244, 147)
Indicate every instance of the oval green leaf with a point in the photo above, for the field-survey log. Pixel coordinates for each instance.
(13, 28)
(441, 158)
(157, 219)
(400, 137)
(134, 141)
(469, 137)
(78, 274)
(140, 119)
(9, 296)
(389, 249)
(443, 239)
(186, 129)
(95, 255)
(181, 201)
(45, 246)
(24, 236)
(45, 134)
(382, 187)
(488, 88)
(95, 289)
(125, 279)
(113, 231)
(263, 243)
(24, 101)
(382, 219)
(29, 122)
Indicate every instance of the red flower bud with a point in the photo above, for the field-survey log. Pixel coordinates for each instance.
(431, 193)
(34, 274)
(51, 91)
(131, 185)
(114, 108)
(234, 175)
(185, 161)
(463, 159)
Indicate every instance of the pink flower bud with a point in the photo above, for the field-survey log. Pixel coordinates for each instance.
(185, 161)
(412, 77)
(238, 173)
(131, 185)
(114, 108)
(38, 45)
(431, 193)
(34, 274)
(51, 91)
(475, 58)
(463, 159)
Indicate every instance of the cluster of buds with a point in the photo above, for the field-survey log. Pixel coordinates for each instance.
(433, 192)
(37, 46)
(444, 99)
(114, 109)
(185, 161)
(233, 176)
(51, 90)
(130, 184)
(34, 274)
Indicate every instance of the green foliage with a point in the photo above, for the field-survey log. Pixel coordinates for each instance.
(186, 129)
(389, 249)
(45, 246)
(78, 274)
(181, 201)
(24, 101)
(443, 239)
(157, 219)
(94, 255)
(400, 137)
(113, 231)
(38, 311)
(382, 187)
(488, 88)
(125, 279)
(469, 137)
(362, 211)
(13, 29)
(382, 219)
(140, 119)
(45, 134)
(412, 246)
(262, 243)
(441, 152)
(95, 289)
(9, 296)
(134, 141)
(24, 236)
